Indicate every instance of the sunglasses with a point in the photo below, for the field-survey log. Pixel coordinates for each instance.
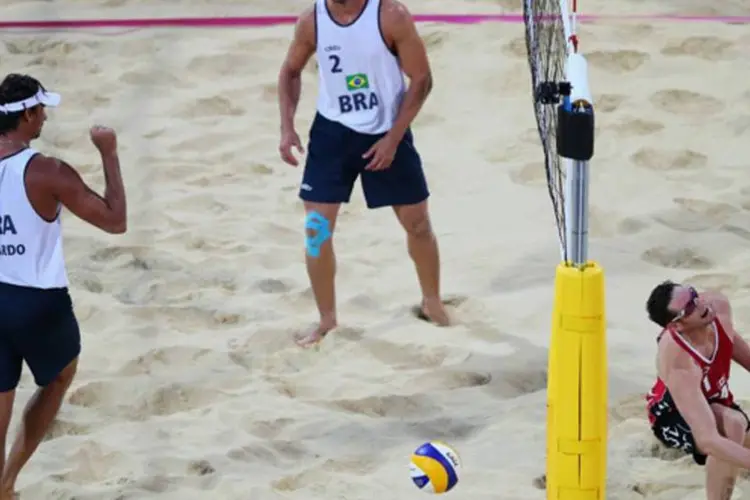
(689, 307)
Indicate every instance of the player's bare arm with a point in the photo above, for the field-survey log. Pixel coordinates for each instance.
(683, 378)
(299, 53)
(400, 32)
(723, 309)
(108, 213)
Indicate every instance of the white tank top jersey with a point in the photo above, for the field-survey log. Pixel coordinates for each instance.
(361, 84)
(31, 250)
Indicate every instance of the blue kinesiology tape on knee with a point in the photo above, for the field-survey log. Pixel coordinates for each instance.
(322, 232)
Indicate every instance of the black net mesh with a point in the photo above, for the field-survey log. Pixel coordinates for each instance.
(546, 48)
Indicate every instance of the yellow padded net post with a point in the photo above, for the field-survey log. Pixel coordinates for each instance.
(577, 387)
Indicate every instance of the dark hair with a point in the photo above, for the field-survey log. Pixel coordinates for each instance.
(15, 87)
(658, 303)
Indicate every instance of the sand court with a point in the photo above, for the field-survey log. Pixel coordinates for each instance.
(190, 385)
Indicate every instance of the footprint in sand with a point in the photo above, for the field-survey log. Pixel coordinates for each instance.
(207, 107)
(627, 408)
(445, 428)
(112, 253)
(604, 223)
(339, 467)
(272, 285)
(721, 282)
(255, 453)
(197, 144)
(88, 281)
(531, 174)
(435, 39)
(163, 359)
(360, 466)
(738, 231)
(629, 32)
(429, 119)
(134, 401)
(505, 5)
(715, 210)
(686, 102)
(739, 125)
(514, 382)
(388, 406)
(607, 103)
(197, 318)
(659, 159)
(445, 380)
(632, 225)
(136, 257)
(61, 427)
(405, 356)
(200, 467)
(669, 491)
(266, 429)
(692, 215)
(676, 258)
(530, 136)
(269, 92)
(710, 48)
(637, 127)
(649, 447)
(214, 64)
(147, 77)
(516, 48)
(294, 482)
(617, 61)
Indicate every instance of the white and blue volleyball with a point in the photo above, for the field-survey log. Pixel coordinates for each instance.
(435, 467)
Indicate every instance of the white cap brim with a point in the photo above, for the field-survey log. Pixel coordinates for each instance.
(51, 99)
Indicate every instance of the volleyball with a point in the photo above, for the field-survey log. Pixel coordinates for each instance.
(435, 467)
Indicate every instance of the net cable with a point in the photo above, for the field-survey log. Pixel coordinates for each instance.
(546, 47)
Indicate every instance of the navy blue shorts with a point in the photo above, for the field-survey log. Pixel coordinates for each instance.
(334, 161)
(37, 326)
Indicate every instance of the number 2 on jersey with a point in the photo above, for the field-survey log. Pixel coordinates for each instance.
(336, 63)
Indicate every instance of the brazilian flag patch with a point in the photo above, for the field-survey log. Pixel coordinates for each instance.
(357, 81)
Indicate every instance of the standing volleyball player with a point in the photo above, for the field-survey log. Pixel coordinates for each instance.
(37, 322)
(361, 129)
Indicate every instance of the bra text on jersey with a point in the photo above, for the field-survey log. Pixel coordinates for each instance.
(360, 97)
(7, 228)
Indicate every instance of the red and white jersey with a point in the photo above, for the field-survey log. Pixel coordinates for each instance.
(715, 384)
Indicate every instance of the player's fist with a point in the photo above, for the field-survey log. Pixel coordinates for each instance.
(104, 138)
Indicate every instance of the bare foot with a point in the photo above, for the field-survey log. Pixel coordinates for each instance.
(314, 335)
(433, 310)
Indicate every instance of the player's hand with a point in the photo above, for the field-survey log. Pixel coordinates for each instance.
(381, 153)
(104, 138)
(289, 140)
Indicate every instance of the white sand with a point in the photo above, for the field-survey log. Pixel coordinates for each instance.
(189, 385)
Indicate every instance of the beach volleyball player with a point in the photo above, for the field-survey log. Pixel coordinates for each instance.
(690, 407)
(37, 322)
(361, 129)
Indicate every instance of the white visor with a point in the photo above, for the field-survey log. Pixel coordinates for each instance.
(42, 97)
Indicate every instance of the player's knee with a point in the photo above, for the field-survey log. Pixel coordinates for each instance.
(706, 442)
(318, 231)
(735, 426)
(66, 375)
(416, 221)
(419, 227)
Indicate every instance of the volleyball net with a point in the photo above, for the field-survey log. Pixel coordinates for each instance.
(577, 366)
